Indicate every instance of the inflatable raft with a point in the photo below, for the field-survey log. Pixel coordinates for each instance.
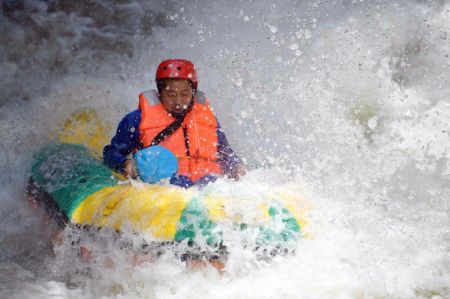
(77, 188)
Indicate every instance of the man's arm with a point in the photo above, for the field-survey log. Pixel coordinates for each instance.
(231, 165)
(124, 142)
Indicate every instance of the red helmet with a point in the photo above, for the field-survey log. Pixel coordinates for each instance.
(177, 68)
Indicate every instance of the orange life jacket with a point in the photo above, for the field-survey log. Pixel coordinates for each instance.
(200, 126)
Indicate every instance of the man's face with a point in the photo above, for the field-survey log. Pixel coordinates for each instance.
(176, 95)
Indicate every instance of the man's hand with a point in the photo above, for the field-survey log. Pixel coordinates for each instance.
(130, 168)
(240, 171)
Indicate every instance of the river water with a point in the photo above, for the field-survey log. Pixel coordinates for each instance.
(345, 102)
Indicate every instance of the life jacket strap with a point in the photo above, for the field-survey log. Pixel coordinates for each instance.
(171, 128)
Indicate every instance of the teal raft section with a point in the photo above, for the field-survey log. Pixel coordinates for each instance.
(280, 232)
(69, 174)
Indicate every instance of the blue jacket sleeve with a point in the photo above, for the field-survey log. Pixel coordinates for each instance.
(228, 159)
(124, 142)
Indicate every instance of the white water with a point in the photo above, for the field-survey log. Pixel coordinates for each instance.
(349, 99)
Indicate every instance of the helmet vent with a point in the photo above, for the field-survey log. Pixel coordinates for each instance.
(179, 68)
(165, 68)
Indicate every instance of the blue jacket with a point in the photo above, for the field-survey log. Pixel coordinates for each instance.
(127, 139)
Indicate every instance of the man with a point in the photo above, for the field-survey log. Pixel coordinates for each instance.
(178, 117)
